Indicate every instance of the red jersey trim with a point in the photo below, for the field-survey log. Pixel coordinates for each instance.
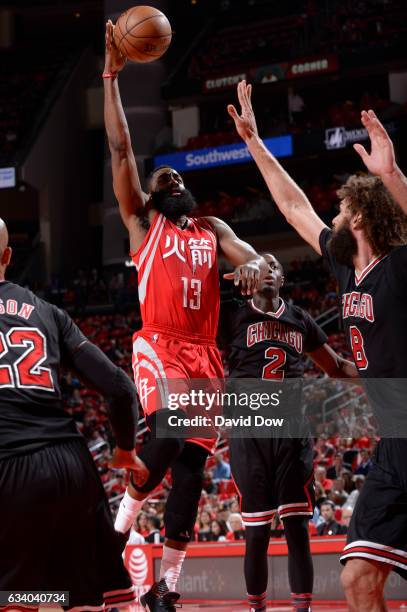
(208, 445)
(369, 268)
(147, 237)
(276, 314)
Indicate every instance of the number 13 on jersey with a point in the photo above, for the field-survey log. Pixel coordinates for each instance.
(192, 293)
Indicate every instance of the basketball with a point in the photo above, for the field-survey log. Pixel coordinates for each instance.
(142, 34)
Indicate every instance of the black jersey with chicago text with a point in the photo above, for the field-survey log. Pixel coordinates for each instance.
(269, 346)
(34, 337)
(374, 311)
(374, 314)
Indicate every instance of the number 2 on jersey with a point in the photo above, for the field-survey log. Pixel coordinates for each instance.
(358, 349)
(192, 293)
(275, 369)
(26, 371)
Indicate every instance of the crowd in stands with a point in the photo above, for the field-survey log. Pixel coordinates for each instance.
(92, 288)
(342, 26)
(304, 112)
(251, 204)
(341, 466)
(236, 45)
(362, 23)
(27, 78)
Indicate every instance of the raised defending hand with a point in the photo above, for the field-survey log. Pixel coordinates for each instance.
(247, 276)
(128, 460)
(114, 60)
(381, 160)
(245, 122)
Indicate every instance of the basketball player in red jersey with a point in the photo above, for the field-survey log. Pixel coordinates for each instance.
(176, 259)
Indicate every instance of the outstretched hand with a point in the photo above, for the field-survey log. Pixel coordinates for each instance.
(247, 276)
(381, 160)
(245, 122)
(114, 60)
(128, 460)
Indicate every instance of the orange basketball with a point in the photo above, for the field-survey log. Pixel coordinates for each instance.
(142, 34)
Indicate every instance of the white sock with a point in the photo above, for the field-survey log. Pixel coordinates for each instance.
(171, 564)
(128, 510)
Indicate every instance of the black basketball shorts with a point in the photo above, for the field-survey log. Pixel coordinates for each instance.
(378, 527)
(273, 475)
(56, 530)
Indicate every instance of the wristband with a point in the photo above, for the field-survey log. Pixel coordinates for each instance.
(109, 75)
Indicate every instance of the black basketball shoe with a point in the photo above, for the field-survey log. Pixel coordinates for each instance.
(160, 598)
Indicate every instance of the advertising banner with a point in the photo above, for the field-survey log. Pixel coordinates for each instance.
(225, 155)
(335, 138)
(269, 73)
(7, 177)
(139, 563)
(214, 572)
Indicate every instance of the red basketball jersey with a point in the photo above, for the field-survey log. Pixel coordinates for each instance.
(178, 281)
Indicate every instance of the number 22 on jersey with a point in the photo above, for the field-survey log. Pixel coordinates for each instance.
(26, 371)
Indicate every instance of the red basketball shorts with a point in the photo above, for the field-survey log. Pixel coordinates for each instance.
(164, 366)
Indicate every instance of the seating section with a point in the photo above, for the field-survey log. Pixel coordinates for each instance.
(343, 27)
(27, 79)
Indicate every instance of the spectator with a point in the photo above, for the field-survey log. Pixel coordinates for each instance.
(319, 491)
(135, 537)
(335, 470)
(347, 512)
(317, 519)
(218, 531)
(320, 476)
(349, 457)
(359, 481)
(204, 532)
(224, 513)
(221, 470)
(338, 494)
(365, 463)
(330, 526)
(154, 534)
(295, 106)
(347, 478)
(207, 483)
(236, 527)
(95, 439)
(142, 524)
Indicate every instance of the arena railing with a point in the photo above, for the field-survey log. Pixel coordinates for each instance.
(326, 317)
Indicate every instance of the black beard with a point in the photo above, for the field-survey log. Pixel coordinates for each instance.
(343, 246)
(173, 207)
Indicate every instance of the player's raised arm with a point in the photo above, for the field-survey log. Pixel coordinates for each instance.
(381, 160)
(126, 182)
(290, 199)
(250, 267)
(333, 364)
